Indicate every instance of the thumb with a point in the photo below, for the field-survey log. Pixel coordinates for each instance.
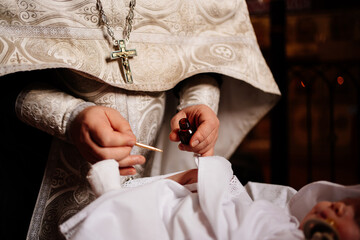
(119, 133)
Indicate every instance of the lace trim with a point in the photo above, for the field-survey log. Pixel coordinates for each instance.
(235, 187)
(37, 217)
(132, 183)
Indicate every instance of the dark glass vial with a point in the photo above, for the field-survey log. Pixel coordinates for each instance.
(185, 131)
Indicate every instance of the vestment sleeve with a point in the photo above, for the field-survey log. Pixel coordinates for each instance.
(200, 89)
(48, 109)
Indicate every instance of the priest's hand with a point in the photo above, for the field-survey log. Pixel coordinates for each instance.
(102, 133)
(207, 127)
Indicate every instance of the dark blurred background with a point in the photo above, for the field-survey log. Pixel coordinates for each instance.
(313, 50)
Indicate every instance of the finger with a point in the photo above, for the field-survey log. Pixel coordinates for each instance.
(131, 161)
(203, 136)
(203, 147)
(100, 153)
(104, 135)
(127, 171)
(89, 149)
(111, 129)
(107, 137)
(174, 123)
(208, 153)
(117, 121)
(174, 136)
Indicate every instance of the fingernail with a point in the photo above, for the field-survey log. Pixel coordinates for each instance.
(131, 142)
(131, 172)
(195, 143)
(140, 160)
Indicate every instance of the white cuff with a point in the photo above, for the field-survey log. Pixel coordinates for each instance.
(104, 176)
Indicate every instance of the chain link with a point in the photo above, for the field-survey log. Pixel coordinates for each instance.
(128, 25)
(129, 21)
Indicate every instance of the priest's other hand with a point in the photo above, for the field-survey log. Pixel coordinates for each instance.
(102, 133)
(206, 133)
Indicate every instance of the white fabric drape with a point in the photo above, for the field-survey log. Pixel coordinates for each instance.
(221, 208)
(163, 209)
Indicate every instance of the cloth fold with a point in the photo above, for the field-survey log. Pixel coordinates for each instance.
(221, 208)
(164, 209)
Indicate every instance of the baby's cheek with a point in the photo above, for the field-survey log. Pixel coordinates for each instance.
(348, 230)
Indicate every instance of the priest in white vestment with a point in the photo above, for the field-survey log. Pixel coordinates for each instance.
(188, 54)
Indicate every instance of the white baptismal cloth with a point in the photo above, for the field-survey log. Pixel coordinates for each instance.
(163, 209)
(159, 208)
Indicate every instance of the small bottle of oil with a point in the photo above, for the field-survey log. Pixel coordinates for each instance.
(185, 131)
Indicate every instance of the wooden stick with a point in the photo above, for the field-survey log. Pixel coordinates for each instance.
(148, 147)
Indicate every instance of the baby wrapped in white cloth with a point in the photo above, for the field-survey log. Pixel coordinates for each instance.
(217, 206)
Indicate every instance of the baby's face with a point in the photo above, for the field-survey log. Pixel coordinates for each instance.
(341, 213)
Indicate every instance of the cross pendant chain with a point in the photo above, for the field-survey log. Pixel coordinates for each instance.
(124, 55)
